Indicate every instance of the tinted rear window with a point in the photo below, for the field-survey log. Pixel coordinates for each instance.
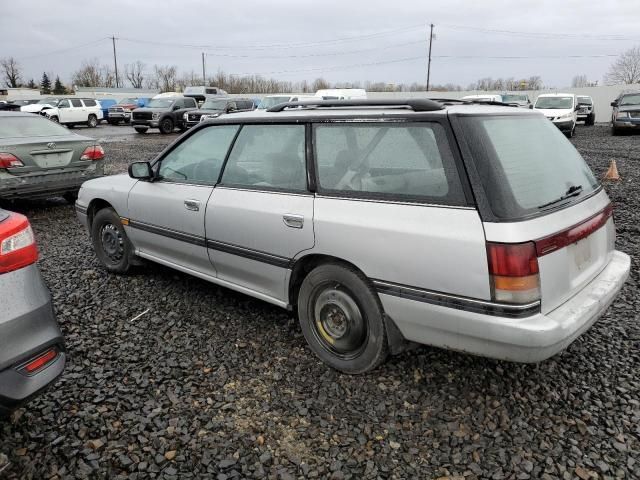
(31, 126)
(89, 103)
(525, 162)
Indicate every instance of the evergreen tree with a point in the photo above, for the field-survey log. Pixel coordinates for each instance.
(45, 84)
(58, 87)
(32, 84)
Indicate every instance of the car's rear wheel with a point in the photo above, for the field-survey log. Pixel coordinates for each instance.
(92, 121)
(141, 129)
(342, 319)
(110, 241)
(54, 118)
(166, 125)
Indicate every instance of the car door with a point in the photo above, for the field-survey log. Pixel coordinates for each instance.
(167, 216)
(65, 115)
(260, 216)
(185, 105)
(77, 112)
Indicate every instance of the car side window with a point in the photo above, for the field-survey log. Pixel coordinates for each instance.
(76, 103)
(89, 103)
(64, 104)
(199, 158)
(189, 103)
(408, 160)
(268, 156)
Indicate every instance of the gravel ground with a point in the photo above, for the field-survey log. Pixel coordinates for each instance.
(208, 383)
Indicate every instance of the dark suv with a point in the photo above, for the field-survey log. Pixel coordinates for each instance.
(626, 112)
(214, 107)
(163, 113)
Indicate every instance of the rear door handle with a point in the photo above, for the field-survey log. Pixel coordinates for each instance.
(293, 221)
(192, 205)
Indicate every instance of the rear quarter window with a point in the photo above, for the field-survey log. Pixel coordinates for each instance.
(406, 161)
(89, 103)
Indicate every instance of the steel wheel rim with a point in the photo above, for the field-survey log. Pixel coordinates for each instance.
(337, 321)
(112, 242)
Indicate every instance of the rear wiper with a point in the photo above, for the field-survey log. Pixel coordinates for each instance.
(573, 191)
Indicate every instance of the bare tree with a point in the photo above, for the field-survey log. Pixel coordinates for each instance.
(134, 73)
(89, 74)
(626, 69)
(166, 77)
(579, 81)
(11, 70)
(534, 82)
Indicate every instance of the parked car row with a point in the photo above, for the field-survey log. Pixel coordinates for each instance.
(626, 113)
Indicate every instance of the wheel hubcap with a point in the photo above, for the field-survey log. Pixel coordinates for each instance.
(112, 242)
(338, 322)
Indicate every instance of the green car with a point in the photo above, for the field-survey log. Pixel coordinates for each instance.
(40, 158)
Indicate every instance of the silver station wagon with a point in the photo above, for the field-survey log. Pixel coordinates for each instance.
(469, 227)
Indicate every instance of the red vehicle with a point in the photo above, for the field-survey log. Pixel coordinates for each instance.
(121, 111)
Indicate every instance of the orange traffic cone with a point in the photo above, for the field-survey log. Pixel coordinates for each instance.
(612, 172)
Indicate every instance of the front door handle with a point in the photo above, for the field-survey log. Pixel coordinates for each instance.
(192, 205)
(293, 221)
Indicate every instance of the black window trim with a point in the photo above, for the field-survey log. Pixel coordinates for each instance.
(465, 190)
(262, 188)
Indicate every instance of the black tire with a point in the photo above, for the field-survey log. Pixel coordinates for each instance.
(113, 122)
(71, 197)
(71, 125)
(92, 121)
(54, 118)
(141, 129)
(182, 127)
(110, 241)
(614, 131)
(342, 319)
(591, 119)
(166, 125)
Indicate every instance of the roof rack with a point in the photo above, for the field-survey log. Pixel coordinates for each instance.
(415, 104)
(468, 101)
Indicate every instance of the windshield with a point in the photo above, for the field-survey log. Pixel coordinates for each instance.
(514, 98)
(585, 100)
(31, 126)
(630, 100)
(524, 162)
(210, 104)
(554, 102)
(49, 101)
(268, 102)
(160, 103)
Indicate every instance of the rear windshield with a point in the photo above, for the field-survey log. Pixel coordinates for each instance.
(526, 164)
(31, 126)
(514, 98)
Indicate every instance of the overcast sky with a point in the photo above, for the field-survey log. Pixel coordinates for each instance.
(339, 40)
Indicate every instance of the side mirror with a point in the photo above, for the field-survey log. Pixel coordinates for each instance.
(176, 107)
(614, 104)
(141, 171)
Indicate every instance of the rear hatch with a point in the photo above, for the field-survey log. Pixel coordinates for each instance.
(534, 188)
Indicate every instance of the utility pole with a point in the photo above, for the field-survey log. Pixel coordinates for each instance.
(115, 60)
(429, 64)
(204, 78)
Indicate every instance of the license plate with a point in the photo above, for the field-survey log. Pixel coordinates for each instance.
(50, 160)
(582, 253)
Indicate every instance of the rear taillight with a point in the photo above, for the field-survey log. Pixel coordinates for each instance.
(41, 361)
(17, 243)
(514, 273)
(8, 160)
(94, 152)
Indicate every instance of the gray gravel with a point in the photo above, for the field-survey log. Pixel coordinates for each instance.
(213, 384)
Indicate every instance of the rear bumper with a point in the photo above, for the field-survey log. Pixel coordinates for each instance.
(44, 186)
(27, 328)
(529, 339)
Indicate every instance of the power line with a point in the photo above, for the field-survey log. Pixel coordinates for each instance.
(63, 50)
(277, 45)
(545, 35)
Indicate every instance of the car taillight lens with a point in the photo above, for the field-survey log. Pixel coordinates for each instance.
(514, 272)
(17, 243)
(41, 361)
(8, 160)
(94, 152)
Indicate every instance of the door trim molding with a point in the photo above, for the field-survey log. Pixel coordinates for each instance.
(168, 232)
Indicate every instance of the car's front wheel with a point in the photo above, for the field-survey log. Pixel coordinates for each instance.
(92, 121)
(342, 319)
(54, 118)
(110, 241)
(166, 125)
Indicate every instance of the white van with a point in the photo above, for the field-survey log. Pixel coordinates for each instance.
(271, 100)
(561, 109)
(341, 93)
(483, 98)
